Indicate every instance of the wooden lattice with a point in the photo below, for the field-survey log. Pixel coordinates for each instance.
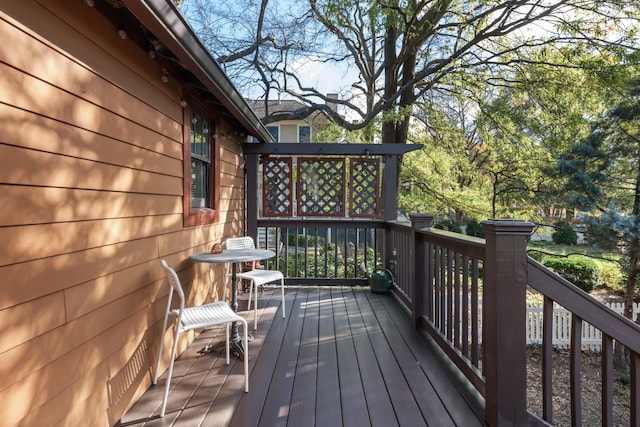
(276, 187)
(321, 187)
(365, 188)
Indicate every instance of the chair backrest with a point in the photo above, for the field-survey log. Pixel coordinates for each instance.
(245, 242)
(174, 281)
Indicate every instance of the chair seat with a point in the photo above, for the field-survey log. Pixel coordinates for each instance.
(215, 313)
(261, 277)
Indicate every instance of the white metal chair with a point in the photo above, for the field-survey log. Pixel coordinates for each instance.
(257, 276)
(197, 317)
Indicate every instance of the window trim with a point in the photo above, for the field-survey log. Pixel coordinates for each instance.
(277, 128)
(200, 216)
(300, 129)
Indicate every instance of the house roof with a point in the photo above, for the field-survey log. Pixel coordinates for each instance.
(298, 111)
(165, 26)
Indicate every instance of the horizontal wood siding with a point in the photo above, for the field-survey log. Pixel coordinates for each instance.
(91, 177)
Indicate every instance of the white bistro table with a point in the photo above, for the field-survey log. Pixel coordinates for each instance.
(234, 257)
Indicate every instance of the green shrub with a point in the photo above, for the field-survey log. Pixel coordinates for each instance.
(475, 229)
(581, 272)
(448, 225)
(564, 234)
(303, 241)
(537, 255)
(611, 275)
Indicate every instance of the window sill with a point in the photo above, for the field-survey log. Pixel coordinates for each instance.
(200, 216)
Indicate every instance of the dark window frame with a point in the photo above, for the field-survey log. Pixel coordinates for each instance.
(194, 216)
(307, 128)
(275, 128)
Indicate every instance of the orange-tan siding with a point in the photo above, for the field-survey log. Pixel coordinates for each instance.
(91, 178)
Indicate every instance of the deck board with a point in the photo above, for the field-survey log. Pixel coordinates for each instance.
(351, 389)
(302, 409)
(342, 357)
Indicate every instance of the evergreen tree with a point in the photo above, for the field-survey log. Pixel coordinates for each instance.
(604, 179)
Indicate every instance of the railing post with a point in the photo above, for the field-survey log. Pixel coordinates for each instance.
(251, 196)
(390, 201)
(504, 322)
(421, 273)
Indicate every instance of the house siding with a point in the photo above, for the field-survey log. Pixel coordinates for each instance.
(91, 177)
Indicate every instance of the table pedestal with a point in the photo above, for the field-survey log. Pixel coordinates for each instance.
(236, 345)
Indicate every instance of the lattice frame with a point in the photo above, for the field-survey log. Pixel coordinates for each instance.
(364, 188)
(321, 184)
(277, 187)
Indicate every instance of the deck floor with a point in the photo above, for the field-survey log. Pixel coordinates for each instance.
(342, 357)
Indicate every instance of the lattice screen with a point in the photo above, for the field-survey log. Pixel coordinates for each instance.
(277, 183)
(321, 185)
(365, 187)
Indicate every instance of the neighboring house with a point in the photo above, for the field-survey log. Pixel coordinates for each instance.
(120, 145)
(303, 129)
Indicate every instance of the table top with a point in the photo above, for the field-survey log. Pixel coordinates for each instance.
(235, 255)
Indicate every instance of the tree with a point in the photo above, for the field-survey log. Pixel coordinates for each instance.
(399, 51)
(544, 111)
(604, 178)
(444, 178)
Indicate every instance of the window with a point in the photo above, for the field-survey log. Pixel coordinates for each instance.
(304, 134)
(274, 131)
(200, 166)
(200, 162)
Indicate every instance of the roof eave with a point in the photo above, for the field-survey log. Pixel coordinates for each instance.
(167, 23)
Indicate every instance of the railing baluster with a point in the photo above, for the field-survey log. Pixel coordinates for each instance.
(436, 287)
(306, 252)
(547, 359)
(449, 295)
(475, 323)
(296, 250)
(575, 369)
(465, 306)
(335, 264)
(430, 282)
(443, 289)
(457, 301)
(607, 380)
(635, 389)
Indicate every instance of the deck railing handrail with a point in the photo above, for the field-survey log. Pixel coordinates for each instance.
(591, 336)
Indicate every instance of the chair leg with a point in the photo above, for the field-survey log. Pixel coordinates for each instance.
(226, 330)
(255, 308)
(283, 308)
(246, 356)
(159, 358)
(170, 373)
(250, 294)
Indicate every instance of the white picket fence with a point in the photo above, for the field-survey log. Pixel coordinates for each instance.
(591, 337)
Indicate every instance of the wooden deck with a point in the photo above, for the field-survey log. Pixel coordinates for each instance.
(342, 357)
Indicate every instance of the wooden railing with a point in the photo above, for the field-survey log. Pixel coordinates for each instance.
(448, 291)
(453, 272)
(615, 329)
(399, 258)
(323, 251)
(469, 296)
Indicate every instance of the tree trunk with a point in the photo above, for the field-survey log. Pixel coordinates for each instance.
(390, 84)
(407, 100)
(621, 356)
